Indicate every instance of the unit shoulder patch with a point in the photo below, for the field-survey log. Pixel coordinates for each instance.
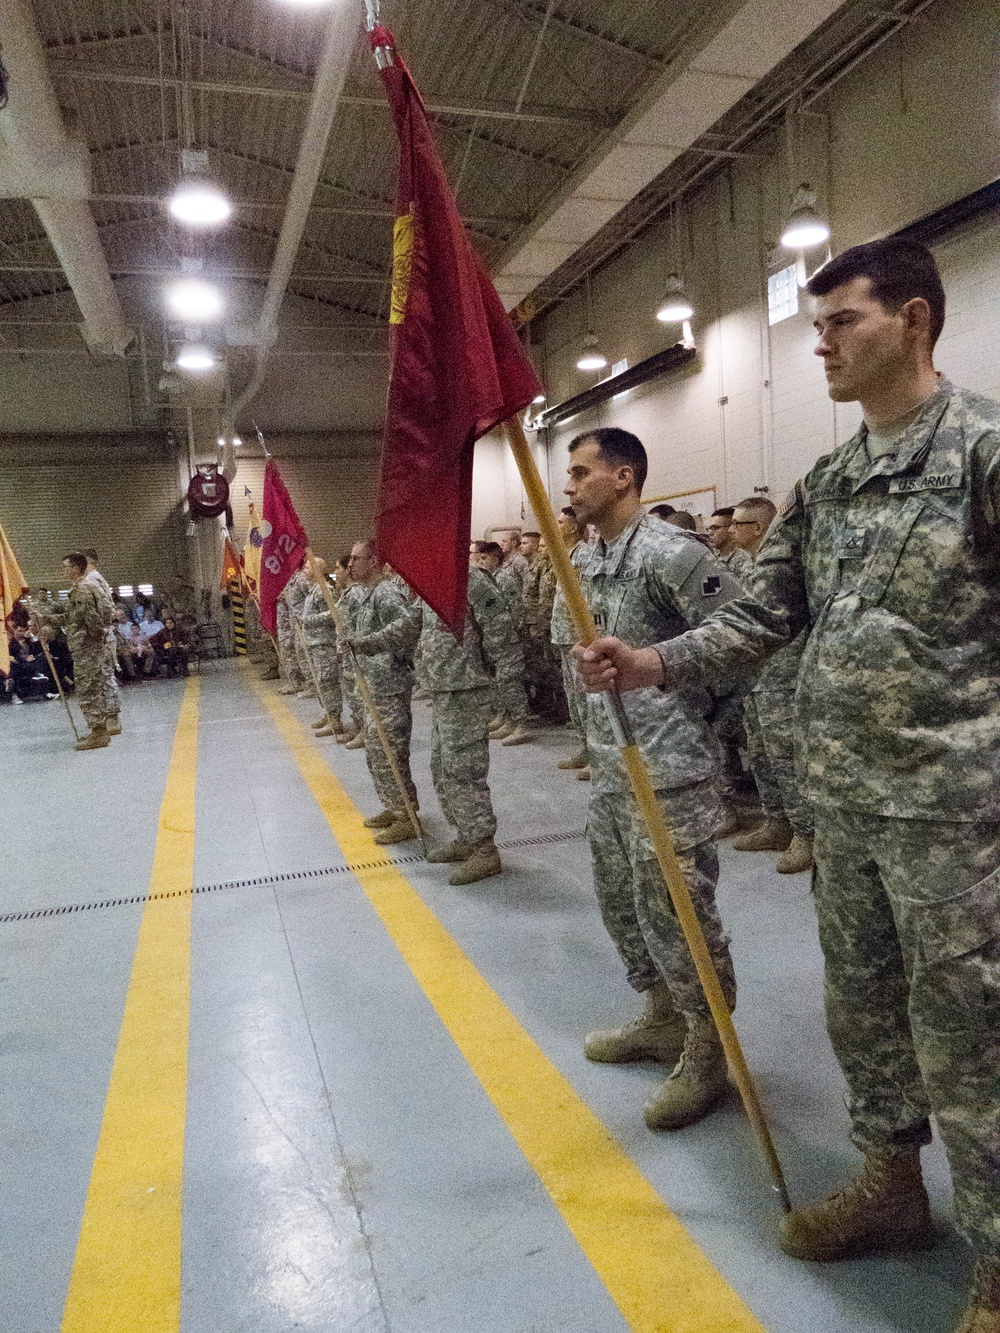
(711, 586)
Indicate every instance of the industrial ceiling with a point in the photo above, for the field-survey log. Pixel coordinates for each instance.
(556, 119)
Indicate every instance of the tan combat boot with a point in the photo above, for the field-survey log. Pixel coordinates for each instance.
(482, 864)
(382, 820)
(983, 1312)
(457, 850)
(521, 735)
(324, 731)
(400, 830)
(578, 760)
(318, 725)
(584, 774)
(734, 821)
(114, 725)
(97, 739)
(799, 856)
(307, 692)
(697, 1083)
(501, 732)
(289, 689)
(346, 735)
(885, 1208)
(774, 835)
(657, 1035)
(356, 742)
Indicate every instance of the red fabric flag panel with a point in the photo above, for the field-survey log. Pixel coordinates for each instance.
(458, 368)
(284, 545)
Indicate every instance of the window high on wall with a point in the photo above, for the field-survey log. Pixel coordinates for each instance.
(782, 295)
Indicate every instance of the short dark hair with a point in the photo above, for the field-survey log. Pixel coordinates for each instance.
(662, 511)
(531, 534)
(726, 512)
(682, 519)
(344, 560)
(759, 504)
(90, 553)
(77, 559)
(899, 271)
(490, 548)
(618, 446)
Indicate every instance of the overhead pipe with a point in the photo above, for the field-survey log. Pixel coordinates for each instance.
(40, 162)
(328, 86)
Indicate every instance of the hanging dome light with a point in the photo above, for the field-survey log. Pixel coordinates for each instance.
(196, 357)
(591, 358)
(676, 307)
(804, 228)
(194, 301)
(199, 203)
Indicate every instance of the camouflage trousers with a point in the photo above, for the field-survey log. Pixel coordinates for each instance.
(575, 697)
(508, 699)
(288, 659)
(909, 921)
(636, 908)
(325, 665)
(349, 687)
(397, 723)
(90, 676)
(460, 761)
(303, 657)
(769, 722)
(112, 699)
(542, 675)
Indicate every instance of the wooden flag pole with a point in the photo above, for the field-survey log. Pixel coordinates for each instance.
(649, 807)
(369, 702)
(52, 667)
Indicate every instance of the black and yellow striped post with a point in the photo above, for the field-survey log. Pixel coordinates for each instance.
(239, 618)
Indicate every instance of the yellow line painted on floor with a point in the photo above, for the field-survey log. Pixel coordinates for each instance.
(655, 1273)
(127, 1272)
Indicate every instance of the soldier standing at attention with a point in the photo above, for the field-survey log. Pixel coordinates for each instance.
(890, 550)
(113, 702)
(769, 720)
(320, 635)
(382, 605)
(86, 617)
(722, 535)
(297, 590)
(459, 679)
(563, 637)
(288, 658)
(508, 701)
(646, 580)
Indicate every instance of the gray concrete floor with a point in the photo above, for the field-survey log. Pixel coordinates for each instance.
(343, 1168)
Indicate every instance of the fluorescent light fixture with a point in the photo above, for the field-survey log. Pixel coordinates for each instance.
(591, 358)
(196, 357)
(194, 301)
(125, 590)
(236, 441)
(804, 228)
(146, 589)
(676, 308)
(199, 203)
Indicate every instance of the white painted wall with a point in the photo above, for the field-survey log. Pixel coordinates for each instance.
(912, 129)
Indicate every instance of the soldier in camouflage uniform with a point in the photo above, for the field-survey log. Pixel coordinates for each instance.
(508, 700)
(769, 711)
(297, 589)
(563, 637)
(86, 617)
(458, 677)
(347, 605)
(382, 607)
(890, 550)
(646, 581)
(288, 657)
(112, 695)
(319, 635)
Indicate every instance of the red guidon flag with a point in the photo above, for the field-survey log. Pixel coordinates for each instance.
(458, 367)
(283, 546)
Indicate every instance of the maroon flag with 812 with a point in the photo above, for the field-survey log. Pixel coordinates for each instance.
(284, 546)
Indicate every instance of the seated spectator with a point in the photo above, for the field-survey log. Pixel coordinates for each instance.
(151, 624)
(173, 647)
(30, 677)
(136, 655)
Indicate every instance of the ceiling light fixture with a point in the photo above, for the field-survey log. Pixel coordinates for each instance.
(591, 358)
(676, 307)
(196, 357)
(199, 203)
(804, 228)
(194, 301)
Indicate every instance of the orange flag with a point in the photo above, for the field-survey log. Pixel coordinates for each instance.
(12, 586)
(232, 567)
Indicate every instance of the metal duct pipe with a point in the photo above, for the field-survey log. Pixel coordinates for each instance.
(45, 165)
(331, 75)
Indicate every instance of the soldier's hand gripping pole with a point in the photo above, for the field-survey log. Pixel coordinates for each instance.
(649, 808)
(369, 702)
(52, 666)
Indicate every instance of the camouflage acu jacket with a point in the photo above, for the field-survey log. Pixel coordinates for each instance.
(895, 564)
(509, 584)
(648, 586)
(318, 627)
(562, 631)
(297, 590)
(85, 617)
(377, 611)
(489, 649)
